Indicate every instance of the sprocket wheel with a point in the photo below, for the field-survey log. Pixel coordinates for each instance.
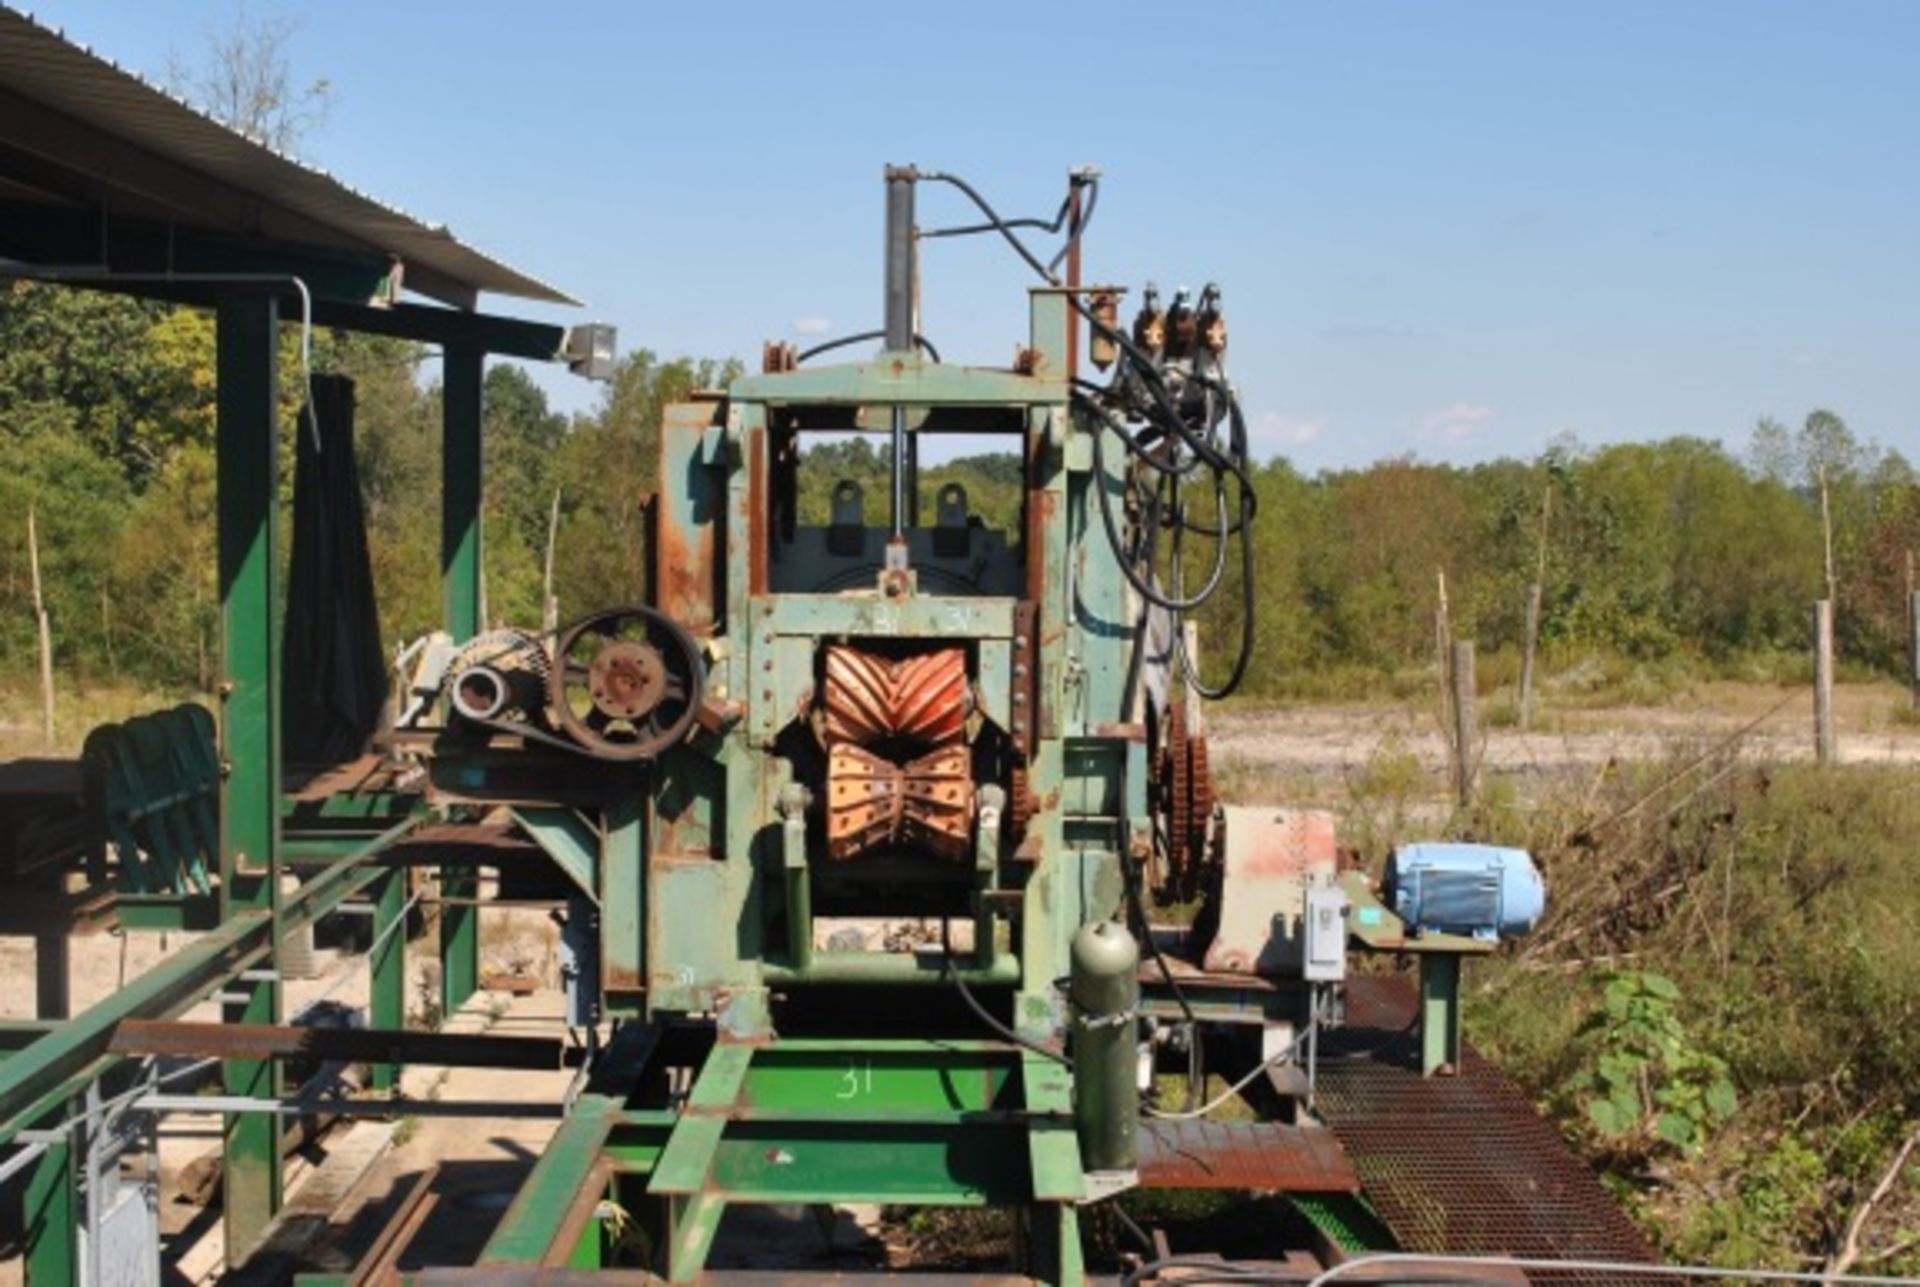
(1186, 803)
(1020, 802)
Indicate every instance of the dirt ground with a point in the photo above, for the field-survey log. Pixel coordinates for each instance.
(1318, 744)
(512, 941)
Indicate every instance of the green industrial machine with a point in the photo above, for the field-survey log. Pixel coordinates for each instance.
(863, 823)
(883, 829)
(863, 819)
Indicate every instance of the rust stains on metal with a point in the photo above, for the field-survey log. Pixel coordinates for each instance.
(684, 574)
(759, 549)
(1183, 791)
(381, 1263)
(777, 357)
(627, 679)
(683, 571)
(880, 711)
(923, 699)
(1287, 842)
(872, 801)
(1261, 1156)
(1026, 663)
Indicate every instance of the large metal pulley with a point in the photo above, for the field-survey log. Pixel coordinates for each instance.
(626, 683)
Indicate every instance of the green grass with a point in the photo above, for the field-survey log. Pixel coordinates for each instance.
(1783, 902)
(79, 708)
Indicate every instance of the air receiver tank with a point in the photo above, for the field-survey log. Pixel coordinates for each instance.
(1104, 991)
(1487, 891)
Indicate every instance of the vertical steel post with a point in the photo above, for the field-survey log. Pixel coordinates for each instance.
(459, 937)
(461, 585)
(623, 896)
(1439, 1013)
(51, 959)
(899, 300)
(460, 489)
(1076, 186)
(50, 1201)
(899, 335)
(247, 450)
(387, 991)
(799, 877)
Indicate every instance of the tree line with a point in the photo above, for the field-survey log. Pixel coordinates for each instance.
(1682, 548)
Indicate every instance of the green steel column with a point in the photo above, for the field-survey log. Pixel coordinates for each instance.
(460, 490)
(623, 906)
(51, 1214)
(460, 583)
(247, 447)
(51, 971)
(1439, 1012)
(388, 966)
(459, 938)
(793, 828)
(1053, 1238)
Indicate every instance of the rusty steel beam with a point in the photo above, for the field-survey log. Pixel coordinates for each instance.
(1260, 1156)
(381, 1263)
(355, 1045)
(922, 699)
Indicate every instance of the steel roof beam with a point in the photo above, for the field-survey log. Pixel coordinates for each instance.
(74, 244)
(115, 165)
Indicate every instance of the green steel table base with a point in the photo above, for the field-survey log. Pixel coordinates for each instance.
(807, 1122)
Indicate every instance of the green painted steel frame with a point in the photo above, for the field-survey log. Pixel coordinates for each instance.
(1439, 1012)
(832, 1120)
(462, 590)
(716, 839)
(244, 917)
(813, 1121)
(247, 460)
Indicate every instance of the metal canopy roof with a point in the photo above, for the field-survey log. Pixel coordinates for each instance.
(77, 130)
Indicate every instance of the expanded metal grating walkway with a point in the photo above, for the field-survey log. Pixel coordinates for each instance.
(1460, 1164)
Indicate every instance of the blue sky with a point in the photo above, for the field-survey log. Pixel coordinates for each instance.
(1450, 230)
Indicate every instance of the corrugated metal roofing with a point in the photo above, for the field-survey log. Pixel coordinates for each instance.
(39, 64)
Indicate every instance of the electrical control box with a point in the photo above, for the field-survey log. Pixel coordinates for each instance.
(1323, 957)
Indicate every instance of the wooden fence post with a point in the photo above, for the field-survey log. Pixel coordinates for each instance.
(1464, 735)
(1823, 744)
(1534, 593)
(1913, 632)
(1913, 643)
(1531, 641)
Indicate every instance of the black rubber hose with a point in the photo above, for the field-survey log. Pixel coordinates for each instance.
(980, 1012)
(845, 340)
(1140, 388)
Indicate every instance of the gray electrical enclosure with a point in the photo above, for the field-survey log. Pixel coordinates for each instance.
(1324, 935)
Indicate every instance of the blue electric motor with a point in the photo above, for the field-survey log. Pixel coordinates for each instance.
(1486, 891)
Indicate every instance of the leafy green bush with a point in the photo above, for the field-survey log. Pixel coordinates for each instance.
(1715, 926)
(1649, 1081)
